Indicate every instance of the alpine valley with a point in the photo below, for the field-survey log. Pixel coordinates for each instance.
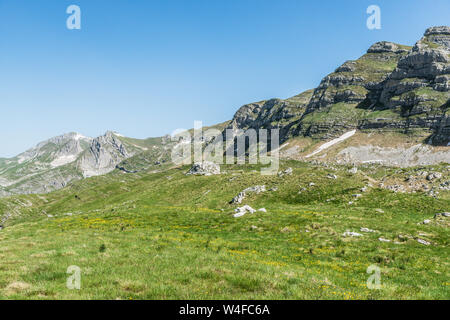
(364, 180)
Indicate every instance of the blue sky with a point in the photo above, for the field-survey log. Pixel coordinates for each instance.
(146, 67)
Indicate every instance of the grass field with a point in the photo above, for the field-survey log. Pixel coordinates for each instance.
(170, 236)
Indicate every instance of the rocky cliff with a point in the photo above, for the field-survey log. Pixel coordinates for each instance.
(103, 155)
(391, 87)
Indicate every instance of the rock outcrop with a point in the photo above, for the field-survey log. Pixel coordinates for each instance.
(205, 168)
(104, 154)
(391, 87)
(272, 114)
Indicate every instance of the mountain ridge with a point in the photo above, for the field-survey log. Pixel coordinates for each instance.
(55, 162)
(392, 89)
(392, 86)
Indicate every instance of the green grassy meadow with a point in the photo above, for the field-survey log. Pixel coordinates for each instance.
(166, 235)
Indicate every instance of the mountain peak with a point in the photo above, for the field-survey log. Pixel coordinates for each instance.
(435, 38)
(437, 30)
(386, 46)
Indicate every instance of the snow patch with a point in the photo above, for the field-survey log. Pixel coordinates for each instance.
(79, 136)
(373, 161)
(328, 144)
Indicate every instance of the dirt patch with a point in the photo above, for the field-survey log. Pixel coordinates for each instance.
(17, 286)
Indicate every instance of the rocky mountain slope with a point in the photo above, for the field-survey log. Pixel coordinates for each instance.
(54, 163)
(391, 88)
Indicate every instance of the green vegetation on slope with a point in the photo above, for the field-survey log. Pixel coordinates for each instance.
(170, 236)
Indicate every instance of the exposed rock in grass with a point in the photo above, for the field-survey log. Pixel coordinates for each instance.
(205, 168)
(256, 189)
(286, 172)
(395, 188)
(404, 237)
(434, 175)
(366, 230)
(383, 239)
(332, 176)
(445, 186)
(424, 242)
(241, 196)
(351, 234)
(241, 211)
(353, 170)
(442, 214)
(262, 210)
(238, 199)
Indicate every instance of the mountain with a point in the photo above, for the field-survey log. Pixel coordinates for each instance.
(390, 106)
(142, 227)
(44, 167)
(54, 163)
(391, 91)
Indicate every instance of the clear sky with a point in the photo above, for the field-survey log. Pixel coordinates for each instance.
(146, 67)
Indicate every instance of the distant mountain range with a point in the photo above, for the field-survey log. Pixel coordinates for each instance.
(54, 163)
(394, 101)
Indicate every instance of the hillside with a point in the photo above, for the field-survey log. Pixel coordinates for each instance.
(364, 181)
(167, 235)
(392, 90)
(390, 106)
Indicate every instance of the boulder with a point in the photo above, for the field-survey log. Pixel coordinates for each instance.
(238, 199)
(351, 234)
(424, 242)
(205, 168)
(286, 172)
(442, 214)
(241, 211)
(385, 47)
(366, 230)
(241, 196)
